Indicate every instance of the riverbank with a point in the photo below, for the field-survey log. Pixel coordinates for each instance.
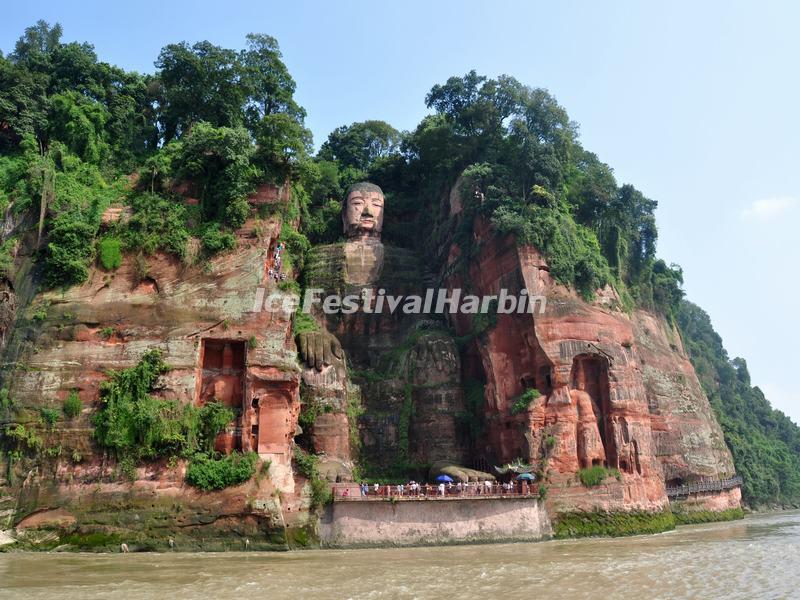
(385, 524)
(736, 559)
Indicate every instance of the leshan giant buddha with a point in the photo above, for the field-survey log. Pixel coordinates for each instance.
(383, 388)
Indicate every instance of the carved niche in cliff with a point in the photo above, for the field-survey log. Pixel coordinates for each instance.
(603, 436)
(222, 379)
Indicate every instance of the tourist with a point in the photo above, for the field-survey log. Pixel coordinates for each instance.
(441, 489)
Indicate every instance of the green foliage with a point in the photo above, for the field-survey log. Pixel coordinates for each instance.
(523, 402)
(361, 144)
(137, 426)
(213, 418)
(214, 240)
(7, 257)
(209, 473)
(68, 253)
(303, 322)
(282, 142)
(93, 541)
(572, 250)
(404, 423)
(6, 401)
(321, 493)
(110, 253)
(306, 463)
(307, 466)
(127, 468)
(23, 438)
(225, 120)
(764, 442)
(217, 161)
(601, 524)
(134, 424)
(72, 405)
(156, 224)
(40, 314)
(49, 416)
(596, 475)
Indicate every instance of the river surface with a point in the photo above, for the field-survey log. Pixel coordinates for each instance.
(755, 558)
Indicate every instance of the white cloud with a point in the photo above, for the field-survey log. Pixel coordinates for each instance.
(767, 209)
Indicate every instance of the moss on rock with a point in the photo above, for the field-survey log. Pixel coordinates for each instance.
(611, 524)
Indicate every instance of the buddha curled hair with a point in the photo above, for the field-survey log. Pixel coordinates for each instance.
(362, 186)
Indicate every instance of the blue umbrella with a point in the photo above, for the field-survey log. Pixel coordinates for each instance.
(526, 477)
(444, 479)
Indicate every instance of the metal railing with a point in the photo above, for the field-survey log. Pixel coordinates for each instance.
(394, 493)
(704, 486)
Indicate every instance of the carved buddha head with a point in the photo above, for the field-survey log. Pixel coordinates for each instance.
(362, 215)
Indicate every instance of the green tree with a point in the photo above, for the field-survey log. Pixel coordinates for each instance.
(199, 83)
(361, 144)
(217, 161)
(282, 144)
(270, 87)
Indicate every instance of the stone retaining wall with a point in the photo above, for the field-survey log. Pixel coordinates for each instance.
(358, 524)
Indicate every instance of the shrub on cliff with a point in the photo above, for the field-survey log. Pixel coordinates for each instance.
(214, 240)
(208, 473)
(596, 475)
(136, 425)
(110, 253)
(523, 402)
(307, 466)
(72, 405)
(156, 224)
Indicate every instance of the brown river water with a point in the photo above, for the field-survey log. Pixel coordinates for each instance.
(755, 558)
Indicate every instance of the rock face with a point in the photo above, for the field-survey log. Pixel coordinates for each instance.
(405, 385)
(577, 385)
(616, 389)
(217, 347)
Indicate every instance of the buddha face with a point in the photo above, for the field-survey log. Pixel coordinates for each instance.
(363, 215)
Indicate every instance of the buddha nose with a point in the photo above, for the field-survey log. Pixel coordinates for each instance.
(366, 212)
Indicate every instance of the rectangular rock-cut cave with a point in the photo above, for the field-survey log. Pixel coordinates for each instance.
(269, 422)
(223, 380)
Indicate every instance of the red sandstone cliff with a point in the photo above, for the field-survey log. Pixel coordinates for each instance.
(616, 389)
(627, 371)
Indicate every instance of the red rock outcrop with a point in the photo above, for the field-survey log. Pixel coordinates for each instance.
(217, 347)
(614, 390)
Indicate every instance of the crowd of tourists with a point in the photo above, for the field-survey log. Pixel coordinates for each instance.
(441, 489)
(276, 270)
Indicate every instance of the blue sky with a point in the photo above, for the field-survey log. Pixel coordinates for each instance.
(696, 104)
